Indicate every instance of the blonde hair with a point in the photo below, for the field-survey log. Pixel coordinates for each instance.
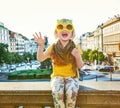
(64, 21)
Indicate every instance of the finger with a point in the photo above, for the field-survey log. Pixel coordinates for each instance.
(37, 35)
(40, 35)
(45, 38)
(34, 37)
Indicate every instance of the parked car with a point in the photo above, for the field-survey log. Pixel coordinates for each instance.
(86, 67)
(12, 67)
(4, 69)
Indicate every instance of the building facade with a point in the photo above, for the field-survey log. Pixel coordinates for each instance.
(18, 43)
(105, 38)
(111, 39)
(4, 34)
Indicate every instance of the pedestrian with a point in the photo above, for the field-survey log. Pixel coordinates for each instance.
(66, 60)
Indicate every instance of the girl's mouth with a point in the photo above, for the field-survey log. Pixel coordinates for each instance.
(64, 35)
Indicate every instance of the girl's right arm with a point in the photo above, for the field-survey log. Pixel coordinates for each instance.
(41, 55)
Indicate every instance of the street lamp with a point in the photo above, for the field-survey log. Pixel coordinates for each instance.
(28, 59)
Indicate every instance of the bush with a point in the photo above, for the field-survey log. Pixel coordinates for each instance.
(22, 76)
(30, 74)
(12, 76)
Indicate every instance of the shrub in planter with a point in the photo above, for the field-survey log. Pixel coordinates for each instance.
(39, 76)
(31, 76)
(22, 76)
(12, 76)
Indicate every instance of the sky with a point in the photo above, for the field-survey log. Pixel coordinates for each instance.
(30, 16)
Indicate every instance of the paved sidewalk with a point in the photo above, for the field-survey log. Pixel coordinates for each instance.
(3, 76)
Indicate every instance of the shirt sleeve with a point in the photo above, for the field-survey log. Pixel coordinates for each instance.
(49, 48)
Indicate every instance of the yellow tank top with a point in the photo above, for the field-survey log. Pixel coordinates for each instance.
(65, 70)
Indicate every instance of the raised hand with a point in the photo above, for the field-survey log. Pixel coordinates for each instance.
(39, 39)
(75, 52)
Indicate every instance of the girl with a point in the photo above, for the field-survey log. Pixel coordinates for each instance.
(66, 59)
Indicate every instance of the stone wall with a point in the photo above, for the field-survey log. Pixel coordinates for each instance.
(38, 95)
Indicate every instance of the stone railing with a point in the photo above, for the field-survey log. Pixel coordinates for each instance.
(38, 95)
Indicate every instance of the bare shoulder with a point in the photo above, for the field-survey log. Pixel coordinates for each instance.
(79, 48)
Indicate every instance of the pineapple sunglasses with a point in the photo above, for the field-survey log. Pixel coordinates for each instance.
(64, 26)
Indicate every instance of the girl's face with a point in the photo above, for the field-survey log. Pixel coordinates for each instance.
(64, 33)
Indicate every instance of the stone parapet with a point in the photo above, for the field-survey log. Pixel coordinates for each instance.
(38, 95)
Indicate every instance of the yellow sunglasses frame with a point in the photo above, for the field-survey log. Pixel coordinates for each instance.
(64, 27)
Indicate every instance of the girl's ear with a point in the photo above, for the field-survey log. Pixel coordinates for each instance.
(73, 34)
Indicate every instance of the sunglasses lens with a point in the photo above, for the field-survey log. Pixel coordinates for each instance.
(60, 27)
(69, 27)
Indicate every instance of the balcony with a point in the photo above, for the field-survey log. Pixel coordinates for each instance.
(38, 95)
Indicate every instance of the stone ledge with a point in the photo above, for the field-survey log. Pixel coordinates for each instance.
(34, 86)
(91, 94)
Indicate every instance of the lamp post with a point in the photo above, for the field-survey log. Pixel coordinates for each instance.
(28, 59)
(97, 57)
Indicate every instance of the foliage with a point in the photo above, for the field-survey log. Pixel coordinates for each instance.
(27, 56)
(35, 56)
(85, 55)
(92, 55)
(10, 58)
(46, 64)
(3, 52)
(101, 56)
(30, 74)
(16, 58)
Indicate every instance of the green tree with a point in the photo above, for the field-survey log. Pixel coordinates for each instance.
(16, 58)
(3, 52)
(27, 57)
(85, 55)
(35, 56)
(101, 56)
(7, 57)
(92, 55)
(46, 64)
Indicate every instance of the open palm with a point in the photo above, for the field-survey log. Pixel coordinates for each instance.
(38, 38)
